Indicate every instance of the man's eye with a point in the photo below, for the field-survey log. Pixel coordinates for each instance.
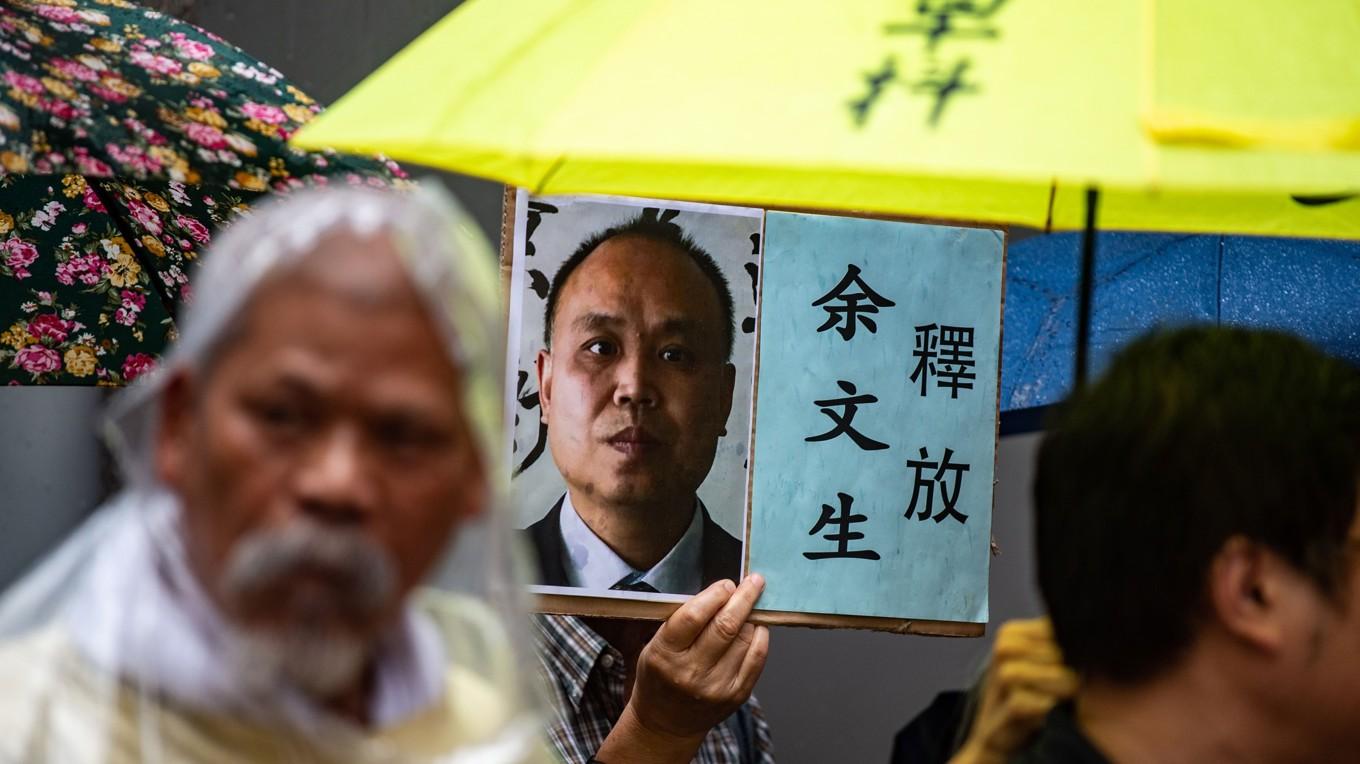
(400, 434)
(406, 435)
(676, 355)
(601, 347)
(278, 415)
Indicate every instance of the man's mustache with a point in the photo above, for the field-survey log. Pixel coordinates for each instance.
(360, 575)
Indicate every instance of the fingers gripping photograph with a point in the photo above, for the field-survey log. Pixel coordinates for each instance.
(644, 382)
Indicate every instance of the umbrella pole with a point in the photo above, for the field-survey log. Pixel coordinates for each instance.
(1086, 287)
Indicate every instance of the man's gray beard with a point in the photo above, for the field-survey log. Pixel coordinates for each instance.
(322, 666)
(308, 647)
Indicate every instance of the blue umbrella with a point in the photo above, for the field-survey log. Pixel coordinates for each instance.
(1141, 281)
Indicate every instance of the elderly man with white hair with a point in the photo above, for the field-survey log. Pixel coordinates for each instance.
(307, 562)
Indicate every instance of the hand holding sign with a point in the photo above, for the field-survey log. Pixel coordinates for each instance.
(698, 669)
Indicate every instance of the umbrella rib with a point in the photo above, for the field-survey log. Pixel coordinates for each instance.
(1086, 287)
(1052, 195)
(1114, 275)
(134, 244)
(1218, 284)
(548, 176)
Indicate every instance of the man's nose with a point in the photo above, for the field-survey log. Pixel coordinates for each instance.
(333, 484)
(634, 383)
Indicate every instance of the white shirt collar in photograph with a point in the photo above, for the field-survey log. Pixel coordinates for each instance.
(591, 564)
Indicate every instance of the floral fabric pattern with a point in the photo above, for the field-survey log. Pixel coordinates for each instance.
(126, 138)
(105, 88)
(84, 311)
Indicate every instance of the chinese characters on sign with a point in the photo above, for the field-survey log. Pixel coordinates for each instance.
(527, 401)
(848, 405)
(940, 34)
(843, 318)
(951, 346)
(949, 495)
(844, 535)
(883, 417)
(748, 324)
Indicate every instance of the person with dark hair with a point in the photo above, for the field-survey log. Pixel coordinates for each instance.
(636, 385)
(1196, 542)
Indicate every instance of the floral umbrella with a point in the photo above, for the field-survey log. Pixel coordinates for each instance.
(126, 138)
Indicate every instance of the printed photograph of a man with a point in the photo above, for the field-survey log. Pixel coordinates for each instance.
(636, 387)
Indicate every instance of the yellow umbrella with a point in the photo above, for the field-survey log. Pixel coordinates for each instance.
(1193, 115)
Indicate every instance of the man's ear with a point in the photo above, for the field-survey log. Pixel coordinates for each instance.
(543, 364)
(172, 445)
(1248, 587)
(729, 386)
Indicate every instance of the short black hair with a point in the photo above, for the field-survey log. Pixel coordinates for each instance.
(649, 226)
(1193, 436)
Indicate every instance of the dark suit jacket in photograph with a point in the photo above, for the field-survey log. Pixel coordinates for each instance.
(720, 557)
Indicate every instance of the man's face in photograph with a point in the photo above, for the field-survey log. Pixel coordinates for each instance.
(636, 389)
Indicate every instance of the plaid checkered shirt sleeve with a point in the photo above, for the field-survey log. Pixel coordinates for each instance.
(587, 679)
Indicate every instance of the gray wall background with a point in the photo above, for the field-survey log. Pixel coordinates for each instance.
(830, 696)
